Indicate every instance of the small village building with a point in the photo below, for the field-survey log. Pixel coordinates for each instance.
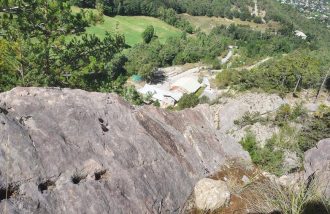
(186, 85)
(166, 98)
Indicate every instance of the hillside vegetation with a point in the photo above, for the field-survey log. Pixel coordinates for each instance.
(206, 23)
(106, 50)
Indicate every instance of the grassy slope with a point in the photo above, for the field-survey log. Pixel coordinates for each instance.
(207, 23)
(132, 27)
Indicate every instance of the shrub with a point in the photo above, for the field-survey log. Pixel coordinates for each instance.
(156, 103)
(249, 143)
(227, 78)
(188, 101)
(268, 158)
(271, 159)
(322, 110)
(283, 114)
(250, 119)
(267, 196)
(132, 96)
(148, 34)
(317, 128)
(298, 112)
(281, 75)
(257, 20)
(204, 99)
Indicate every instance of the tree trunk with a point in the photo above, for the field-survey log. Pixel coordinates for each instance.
(321, 86)
(297, 84)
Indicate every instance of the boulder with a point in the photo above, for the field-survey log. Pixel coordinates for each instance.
(72, 151)
(211, 194)
(291, 162)
(317, 165)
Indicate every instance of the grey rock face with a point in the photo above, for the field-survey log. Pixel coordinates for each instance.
(291, 161)
(234, 108)
(71, 151)
(317, 163)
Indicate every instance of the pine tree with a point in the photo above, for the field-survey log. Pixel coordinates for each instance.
(148, 34)
(48, 57)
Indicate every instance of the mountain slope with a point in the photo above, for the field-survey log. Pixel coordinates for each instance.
(71, 151)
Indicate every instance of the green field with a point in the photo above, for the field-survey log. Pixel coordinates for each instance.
(132, 27)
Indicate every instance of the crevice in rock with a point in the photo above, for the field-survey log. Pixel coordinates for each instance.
(8, 192)
(23, 119)
(44, 186)
(100, 174)
(103, 126)
(77, 178)
(3, 110)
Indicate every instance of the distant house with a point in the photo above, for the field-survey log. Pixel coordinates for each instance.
(166, 98)
(300, 34)
(186, 85)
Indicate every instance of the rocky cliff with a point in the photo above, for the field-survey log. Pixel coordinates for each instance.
(317, 164)
(71, 151)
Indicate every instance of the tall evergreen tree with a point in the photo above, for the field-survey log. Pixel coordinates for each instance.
(47, 56)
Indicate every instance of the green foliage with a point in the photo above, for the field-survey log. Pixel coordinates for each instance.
(300, 197)
(132, 96)
(170, 16)
(290, 19)
(268, 157)
(156, 103)
(298, 112)
(249, 143)
(250, 118)
(285, 114)
(316, 129)
(322, 110)
(188, 101)
(129, 26)
(144, 59)
(148, 34)
(287, 139)
(204, 99)
(151, 8)
(41, 55)
(98, 17)
(91, 62)
(280, 75)
(226, 78)
(9, 64)
(199, 92)
(38, 28)
(257, 19)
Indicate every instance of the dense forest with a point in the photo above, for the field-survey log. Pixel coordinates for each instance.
(150, 7)
(167, 9)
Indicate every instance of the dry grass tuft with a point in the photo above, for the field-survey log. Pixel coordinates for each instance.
(269, 196)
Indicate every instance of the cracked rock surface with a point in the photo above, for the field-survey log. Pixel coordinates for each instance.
(71, 151)
(317, 164)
